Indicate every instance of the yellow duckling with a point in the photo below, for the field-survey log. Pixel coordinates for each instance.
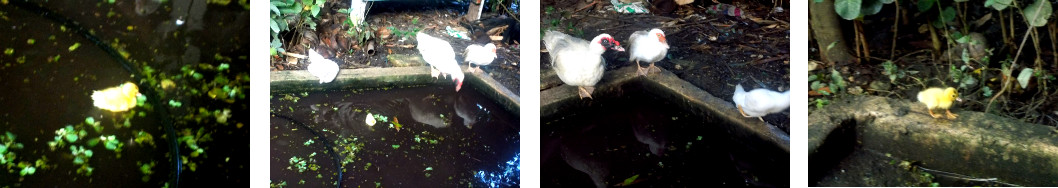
(116, 99)
(939, 98)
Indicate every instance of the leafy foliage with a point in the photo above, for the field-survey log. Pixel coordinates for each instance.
(853, 9)
(284, 12)
(1037, 13)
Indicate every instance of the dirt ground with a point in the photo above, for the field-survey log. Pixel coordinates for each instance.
(712, 51)
(924, 67)
(393, 25)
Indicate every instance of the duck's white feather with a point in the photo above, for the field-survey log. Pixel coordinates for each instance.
(760, 102)
(322, 68)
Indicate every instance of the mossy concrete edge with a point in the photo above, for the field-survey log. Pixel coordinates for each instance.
(670, 86)
(301, 80)
(976, 144)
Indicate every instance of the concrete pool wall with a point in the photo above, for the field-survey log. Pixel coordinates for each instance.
(301, 80)
(977, 144)
(666, 85)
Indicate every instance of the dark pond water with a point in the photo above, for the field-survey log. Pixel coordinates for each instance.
(638, 135)
(444, 138)
(49, 71)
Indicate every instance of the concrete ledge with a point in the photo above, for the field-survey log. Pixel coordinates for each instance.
(669, 86)
(976, 144)
(301, 80)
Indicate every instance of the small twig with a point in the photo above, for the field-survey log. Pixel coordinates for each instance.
(784, 56)
(299, 56)
(740, 46)
(896, 30)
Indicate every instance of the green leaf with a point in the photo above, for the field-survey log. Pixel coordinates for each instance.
(175, 104)
(948, 15)
(1037, 13)
(871, 7)
(1024, 76)
(28, 170)
(74, 46)
(274, 26)
(998, 4)
(848, 9)
(315, 10)
(924, 5)
(837, 81)
(71, 137)
(631, 180)
(274, 9)
(93, 142)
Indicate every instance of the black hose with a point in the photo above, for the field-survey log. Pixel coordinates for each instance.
(326, 143)
(152, 95)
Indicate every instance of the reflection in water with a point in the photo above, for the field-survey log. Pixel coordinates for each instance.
(582, 160)
(427, 152)
(426, 111)
(650, 134)
(469, 111)
(146, 7)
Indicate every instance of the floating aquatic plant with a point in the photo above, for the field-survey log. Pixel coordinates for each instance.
(74, 46)
(303, 164)
(7, 143)
(66, 135)
(222, 116)
(146, 169)
(191, 141)
(175, 104)
(29, 170)
(81, 155)
(111, 143)
(348, 147)
(144, 137)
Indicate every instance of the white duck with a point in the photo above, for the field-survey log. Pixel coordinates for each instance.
(479, 55)
(649, 46)
(760, 102)
(439, 54)
(578, 62)
(322, 68)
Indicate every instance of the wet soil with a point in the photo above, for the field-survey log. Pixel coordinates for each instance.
(713, 52)
(430, 137)
(394, 24)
